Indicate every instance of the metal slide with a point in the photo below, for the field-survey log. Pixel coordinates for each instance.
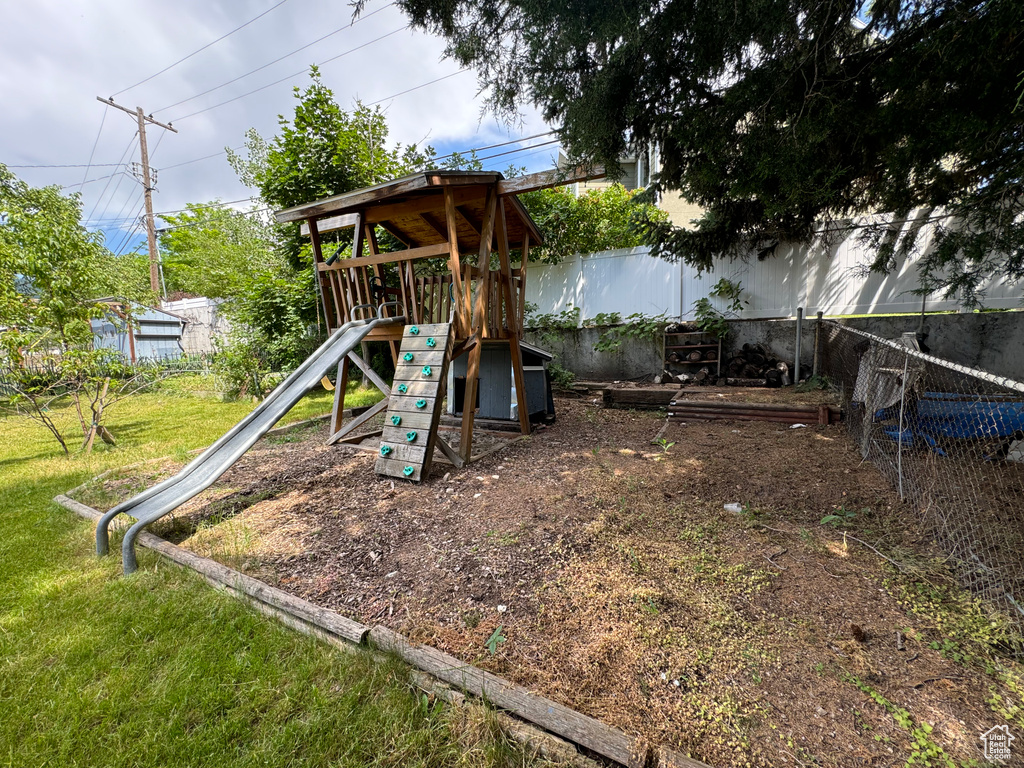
(203, 471)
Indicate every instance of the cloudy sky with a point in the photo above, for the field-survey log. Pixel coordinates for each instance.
(57, 56)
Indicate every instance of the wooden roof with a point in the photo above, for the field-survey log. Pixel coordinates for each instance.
(413, 209)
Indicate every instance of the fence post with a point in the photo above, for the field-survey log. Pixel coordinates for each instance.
(799, 330)
(899, 441)
(817, 337)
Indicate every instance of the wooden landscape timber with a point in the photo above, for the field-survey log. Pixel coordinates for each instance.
(433, 671)
(464, 217)
(642, 398)
(682, 409)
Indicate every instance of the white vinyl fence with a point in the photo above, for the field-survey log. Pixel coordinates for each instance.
(631, 281)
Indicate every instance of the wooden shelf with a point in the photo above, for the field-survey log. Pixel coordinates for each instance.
(701, 341)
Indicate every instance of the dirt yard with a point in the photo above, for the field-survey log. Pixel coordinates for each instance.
(607, 574)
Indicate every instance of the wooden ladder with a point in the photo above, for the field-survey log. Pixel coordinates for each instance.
(414, 408)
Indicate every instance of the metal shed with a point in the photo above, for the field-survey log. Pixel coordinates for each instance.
(150, 334)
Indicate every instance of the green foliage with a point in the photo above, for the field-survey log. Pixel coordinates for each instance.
(567, 318)
(840, 516)
(213, 251)
(495, 640)
(776, 117)
(50, 267)
(924, 750)
(52, 271)
(731, 293)
(818, 382)
(637, 326)
(160, 669)
(561, 377)
(597, 220)
(709, 319)
(321, 151)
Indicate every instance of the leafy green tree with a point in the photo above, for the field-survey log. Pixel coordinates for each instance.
(125, 276)
(321, 151)
(597, 220)
(778, 116)
(51, 273)
(50, 266)
(214, 251)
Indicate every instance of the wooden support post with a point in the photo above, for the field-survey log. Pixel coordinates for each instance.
(469, 402)
(512, 318)
(480, 324)
(371, 245)
(522, 279)
(339, 395)
(318, 258)
(463, 317)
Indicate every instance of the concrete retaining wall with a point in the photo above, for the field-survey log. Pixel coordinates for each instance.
(574, 350)
(991, 341)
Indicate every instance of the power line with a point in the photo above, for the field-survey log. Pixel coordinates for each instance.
(131, 144)
(77, 165)
(416, 88)
(469, 152)
(289, 77)
(275, 61)
(199, 50)
(128, 238)
(521, 149)
(196, 160)
(92, 154)
(535, 147)
(531, 154)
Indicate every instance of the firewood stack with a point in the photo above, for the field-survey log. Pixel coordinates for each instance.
(754, 365)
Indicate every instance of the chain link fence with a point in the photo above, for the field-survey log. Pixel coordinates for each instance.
(951, 440)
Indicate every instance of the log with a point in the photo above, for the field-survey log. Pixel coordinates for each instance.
(693, 356)
(744, 381)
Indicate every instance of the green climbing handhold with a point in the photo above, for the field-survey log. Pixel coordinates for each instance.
(407, 357)
(427, 370)
(402, 388)
(396, 420)
(414, 331)
(421, 403)
(411, 436)
(431, 342)
(408, 471)
(385, 450)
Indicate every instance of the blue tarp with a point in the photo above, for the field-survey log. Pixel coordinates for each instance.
(944, 414)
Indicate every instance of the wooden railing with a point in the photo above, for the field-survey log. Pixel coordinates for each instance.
(426, 298)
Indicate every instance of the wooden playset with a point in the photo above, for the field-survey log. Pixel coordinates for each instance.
(474, 221)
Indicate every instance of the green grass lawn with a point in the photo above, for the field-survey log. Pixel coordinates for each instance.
(161, 670)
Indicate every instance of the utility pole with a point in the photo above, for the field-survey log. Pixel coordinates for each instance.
(148, 183)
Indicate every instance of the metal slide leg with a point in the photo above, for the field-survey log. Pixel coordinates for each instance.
(128, 560)
(102, 532)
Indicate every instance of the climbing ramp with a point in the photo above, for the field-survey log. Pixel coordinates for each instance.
(414, 408)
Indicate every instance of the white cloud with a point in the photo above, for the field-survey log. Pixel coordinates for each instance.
(56, 57)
